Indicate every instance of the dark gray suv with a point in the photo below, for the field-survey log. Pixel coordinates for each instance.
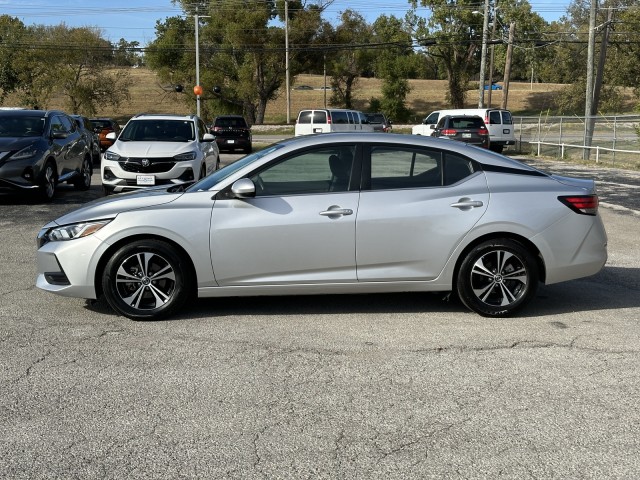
(41, 148)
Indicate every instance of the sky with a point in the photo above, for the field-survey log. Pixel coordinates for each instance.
(134, 20)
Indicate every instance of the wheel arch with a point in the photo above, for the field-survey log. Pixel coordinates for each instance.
(104, 259)
(526, 243)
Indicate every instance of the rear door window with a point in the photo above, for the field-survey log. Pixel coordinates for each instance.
(495, 118)
(507, 119)
(305, 116)
(319, 116)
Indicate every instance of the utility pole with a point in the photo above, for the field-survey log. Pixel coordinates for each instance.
(603, 57)
(507, 66)
(588, 104)
(286, 68)
(196, 21)
(483, 58)
(493, 47)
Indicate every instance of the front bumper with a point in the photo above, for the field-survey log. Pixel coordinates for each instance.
(68, 268)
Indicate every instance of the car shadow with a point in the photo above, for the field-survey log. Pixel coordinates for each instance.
(613, 288)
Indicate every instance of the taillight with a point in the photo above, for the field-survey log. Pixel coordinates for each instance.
(449, 132)
(486, 120)
(483, 131)
(583, 204)
(328, 117)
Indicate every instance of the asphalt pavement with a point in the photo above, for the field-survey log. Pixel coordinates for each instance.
(333, 387)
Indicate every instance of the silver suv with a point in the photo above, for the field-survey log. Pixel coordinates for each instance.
(157, 149)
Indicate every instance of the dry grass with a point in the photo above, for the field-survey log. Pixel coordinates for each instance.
(147, 95)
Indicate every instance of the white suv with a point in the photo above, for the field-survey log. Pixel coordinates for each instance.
(158, 150)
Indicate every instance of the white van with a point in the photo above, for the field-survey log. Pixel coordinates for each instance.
(331, 120)
(499, 122)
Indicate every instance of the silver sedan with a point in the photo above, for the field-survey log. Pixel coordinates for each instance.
(333, 213)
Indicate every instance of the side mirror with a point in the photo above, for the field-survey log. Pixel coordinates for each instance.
(208, 137)
(111, 136)
(59, 135)
(243, 188)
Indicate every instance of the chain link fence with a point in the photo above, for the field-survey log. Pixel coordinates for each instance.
(615, 140)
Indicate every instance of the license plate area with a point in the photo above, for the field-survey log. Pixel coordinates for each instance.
(145, 180)
(466, 135)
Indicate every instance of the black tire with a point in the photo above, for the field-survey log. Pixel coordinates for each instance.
(83, 180)
(106, 191)
(496, 148)
(249, 149)
(497, 278)
(160, 280)
(49, 182)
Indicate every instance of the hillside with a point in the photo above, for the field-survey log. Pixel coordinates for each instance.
(147, 95)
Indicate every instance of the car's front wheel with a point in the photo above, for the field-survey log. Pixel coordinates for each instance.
(83, 180)
(497, 278)
(49, 182)
(147, 280)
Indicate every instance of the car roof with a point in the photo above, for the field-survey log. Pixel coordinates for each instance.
(162, 116)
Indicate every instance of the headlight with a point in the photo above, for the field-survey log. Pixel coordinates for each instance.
(71, 232)
(185, 157)
(109, 155)
(27, 152)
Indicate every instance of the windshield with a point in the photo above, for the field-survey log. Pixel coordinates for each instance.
(212, 180)
(158, 131)
(21, 126)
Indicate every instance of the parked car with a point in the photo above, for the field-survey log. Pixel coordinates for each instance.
(158, 150)
(103, 127)
(494, 86)
(379, 122)
(333, 213)
(498, 121)
(463, 128)
(91, 137)
(303, 87)
(40, 149)
(325, 120)
(232, 132)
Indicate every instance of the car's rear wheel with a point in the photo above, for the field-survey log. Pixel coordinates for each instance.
(497, 278)
(83, 180)
(496, 148)
(147, 280)
(49, 182)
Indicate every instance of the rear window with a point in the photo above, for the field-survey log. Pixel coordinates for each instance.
(507, 119)
(494, 117)
(305, 116)
(466, 122)
(231, 122)
(375, 118)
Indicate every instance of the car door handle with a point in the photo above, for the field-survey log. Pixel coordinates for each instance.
(466, 203)
(336, 211)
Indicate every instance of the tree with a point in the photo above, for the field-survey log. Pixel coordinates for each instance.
(125, 54)
(452, 35)
(12, 33)
(393, 64)
(241, 51)
(350, 58)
